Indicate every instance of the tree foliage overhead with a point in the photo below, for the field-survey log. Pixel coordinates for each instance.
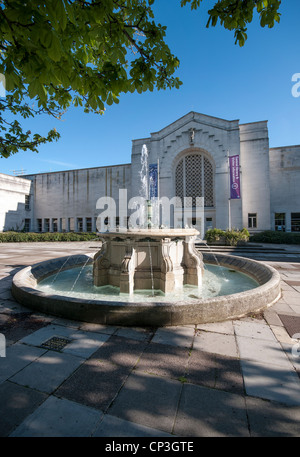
(59, 53)
(237, 14)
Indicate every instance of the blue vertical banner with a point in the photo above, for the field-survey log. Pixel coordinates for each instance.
(153, 181)
(235, 187)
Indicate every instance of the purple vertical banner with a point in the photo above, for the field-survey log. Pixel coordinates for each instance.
(235, 188)
(153, 181)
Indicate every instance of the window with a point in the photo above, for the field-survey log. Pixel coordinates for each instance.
(280, 222)
(252, 220)
(47, 225)
(39, 225)
(71, 224)
(89, 224)
(62, 223)
(194, 178)
(79, 224)
(27, 225)
(54, 225)
(27, 202)
(295, 222)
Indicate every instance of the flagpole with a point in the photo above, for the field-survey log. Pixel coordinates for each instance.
(229, 199)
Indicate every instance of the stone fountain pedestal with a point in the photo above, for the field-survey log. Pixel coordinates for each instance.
(164, 259)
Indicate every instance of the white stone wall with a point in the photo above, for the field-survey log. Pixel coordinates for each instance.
(73, 195)
(255, 174)
(12, 202)
(269, 179)
(212, 137)
(285, 182)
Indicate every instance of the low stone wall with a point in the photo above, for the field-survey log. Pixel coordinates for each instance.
(25, 291)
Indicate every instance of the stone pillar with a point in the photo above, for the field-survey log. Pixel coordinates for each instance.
(193, 261)
(127, 270)
(101, 265)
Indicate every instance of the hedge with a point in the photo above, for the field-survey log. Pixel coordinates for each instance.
(271, 236)
(13, 237)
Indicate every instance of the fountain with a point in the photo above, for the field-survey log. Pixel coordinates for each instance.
(150, 276)
(148, 257)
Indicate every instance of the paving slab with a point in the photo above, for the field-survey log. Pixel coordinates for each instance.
(272, 382)
(98, 328)
(215, 371)
(19, 325)
(225, 327)
(59, 418)
(84, 344)
(17, 402)
(120, 351)
(175, 336)
(17, 357)
(205, 412)
(134, 333)
(148, 400)
(112, 426)
(215, 343)
(97, 382)
(164, 360)
(48, 371)
(253, 330)
(269, 419)
(281, 334)
(263, 351)
(38, 337)
(293, 353)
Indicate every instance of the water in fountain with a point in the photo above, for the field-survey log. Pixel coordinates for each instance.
(80, 272)
(151, 268)
(222, 270)
(80, 280)
(66, 262)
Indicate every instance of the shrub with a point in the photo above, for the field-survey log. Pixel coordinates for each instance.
(214, 235)
(229, 237)
(15, 237)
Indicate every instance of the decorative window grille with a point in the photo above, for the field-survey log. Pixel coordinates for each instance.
(179, 184)
(194, 178)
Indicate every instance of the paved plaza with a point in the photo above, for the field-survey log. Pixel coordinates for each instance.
(237, 378)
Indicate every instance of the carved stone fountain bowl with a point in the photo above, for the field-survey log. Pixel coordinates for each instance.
(150, 258)
(25, 289)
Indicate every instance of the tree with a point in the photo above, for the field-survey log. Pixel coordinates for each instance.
(87, 53)
(236, 14)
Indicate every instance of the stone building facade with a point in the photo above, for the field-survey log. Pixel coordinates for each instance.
(192, 156)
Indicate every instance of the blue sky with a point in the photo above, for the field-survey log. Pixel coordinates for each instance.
(220, 79)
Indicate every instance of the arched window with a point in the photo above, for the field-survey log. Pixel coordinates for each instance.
(194, 178)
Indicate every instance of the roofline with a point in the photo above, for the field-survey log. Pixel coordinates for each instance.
(77, 169)
(283, 147)
(193, 113)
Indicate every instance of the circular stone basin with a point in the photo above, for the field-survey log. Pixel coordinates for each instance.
(157, 312)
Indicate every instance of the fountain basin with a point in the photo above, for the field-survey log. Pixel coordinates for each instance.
(148, 258)
(157, 313)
